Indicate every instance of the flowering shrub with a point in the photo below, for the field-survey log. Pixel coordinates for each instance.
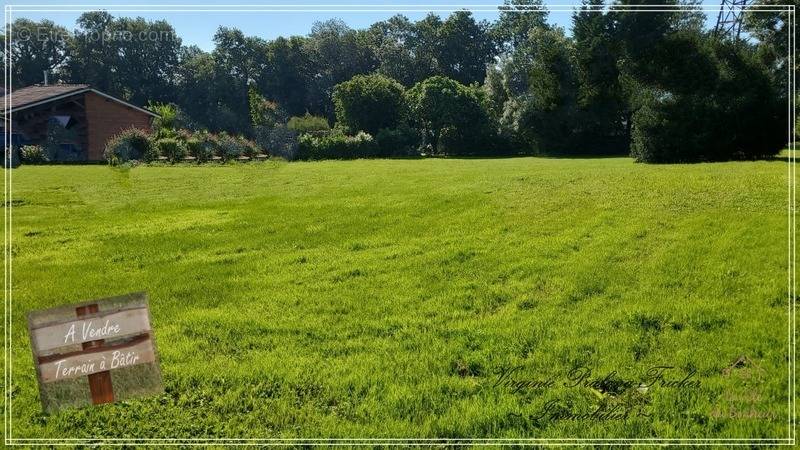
(135, 144)
(228, 147)
(173, 149)
(33, 154)
(338, 146)
(130, 144)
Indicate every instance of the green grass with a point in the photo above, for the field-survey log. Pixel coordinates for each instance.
(380, 298)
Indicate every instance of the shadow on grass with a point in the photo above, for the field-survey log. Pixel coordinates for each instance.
(776, 158)
(521, 155)
(779, 158)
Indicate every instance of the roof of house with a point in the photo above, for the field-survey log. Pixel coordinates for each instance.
(35, 95)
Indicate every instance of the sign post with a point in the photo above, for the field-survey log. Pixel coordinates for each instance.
(99, 383)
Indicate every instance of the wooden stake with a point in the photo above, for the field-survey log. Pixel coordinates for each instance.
(99, 383)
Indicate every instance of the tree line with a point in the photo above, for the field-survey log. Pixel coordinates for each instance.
(656, 85)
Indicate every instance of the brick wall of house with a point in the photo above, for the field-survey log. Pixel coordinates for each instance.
(106, 118)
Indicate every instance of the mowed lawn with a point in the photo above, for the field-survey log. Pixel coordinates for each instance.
(380, 298)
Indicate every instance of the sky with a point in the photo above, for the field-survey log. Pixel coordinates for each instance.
(198, 27)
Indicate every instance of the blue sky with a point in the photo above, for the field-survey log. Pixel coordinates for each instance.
(198, 27)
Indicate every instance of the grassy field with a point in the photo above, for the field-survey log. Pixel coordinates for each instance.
(385, 298)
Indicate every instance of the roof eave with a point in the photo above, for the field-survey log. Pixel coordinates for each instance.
(75, 92)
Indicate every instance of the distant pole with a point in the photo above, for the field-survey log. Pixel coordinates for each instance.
(730, 18)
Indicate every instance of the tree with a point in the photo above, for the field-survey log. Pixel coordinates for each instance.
(288, 76)
(368, 103)
(195, 90)
(644, 37)
(465, 48)
(459, 47)
(37, 47)
(540, 86)
(93, 60)
(452, 117)
(426, 46)
(238, 56)
(130, 58)
(495, 89)
(771, 29)
(237, 60)
(213, 87)
(337, 54)
(148, 54)
(647, 60)
(735, 114)
(602, 104)
(166, 123)
(656, 80)
(517, 19)
(392, 41)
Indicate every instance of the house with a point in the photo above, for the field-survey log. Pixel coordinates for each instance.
(72, 121)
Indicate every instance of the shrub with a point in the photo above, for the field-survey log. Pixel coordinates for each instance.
(209, 146)
(338, 146)
(203, 146)
(280, 141)
(135, 144)
(249, 148)
(308, 124)
(307, 147)
(117, 151)
(151, 153)
(33, 154)
(173, 149)
(368, 103)
(130, 144)
(229, 147)
(199, 147)
(363, 145)
(401, 141)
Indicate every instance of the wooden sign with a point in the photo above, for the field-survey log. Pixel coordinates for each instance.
(95, 352)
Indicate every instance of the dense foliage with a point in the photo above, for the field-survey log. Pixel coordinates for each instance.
(451, 117)
(131, 144)
(368, 103)
(281, 142)
(338, 146)
(172, 149)
(308, 124)
(264, 113)
(33, 154)
(733, 114)
(602, 103)
(538, 92)
(657, 85)
(174, 146)
(401, 141)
